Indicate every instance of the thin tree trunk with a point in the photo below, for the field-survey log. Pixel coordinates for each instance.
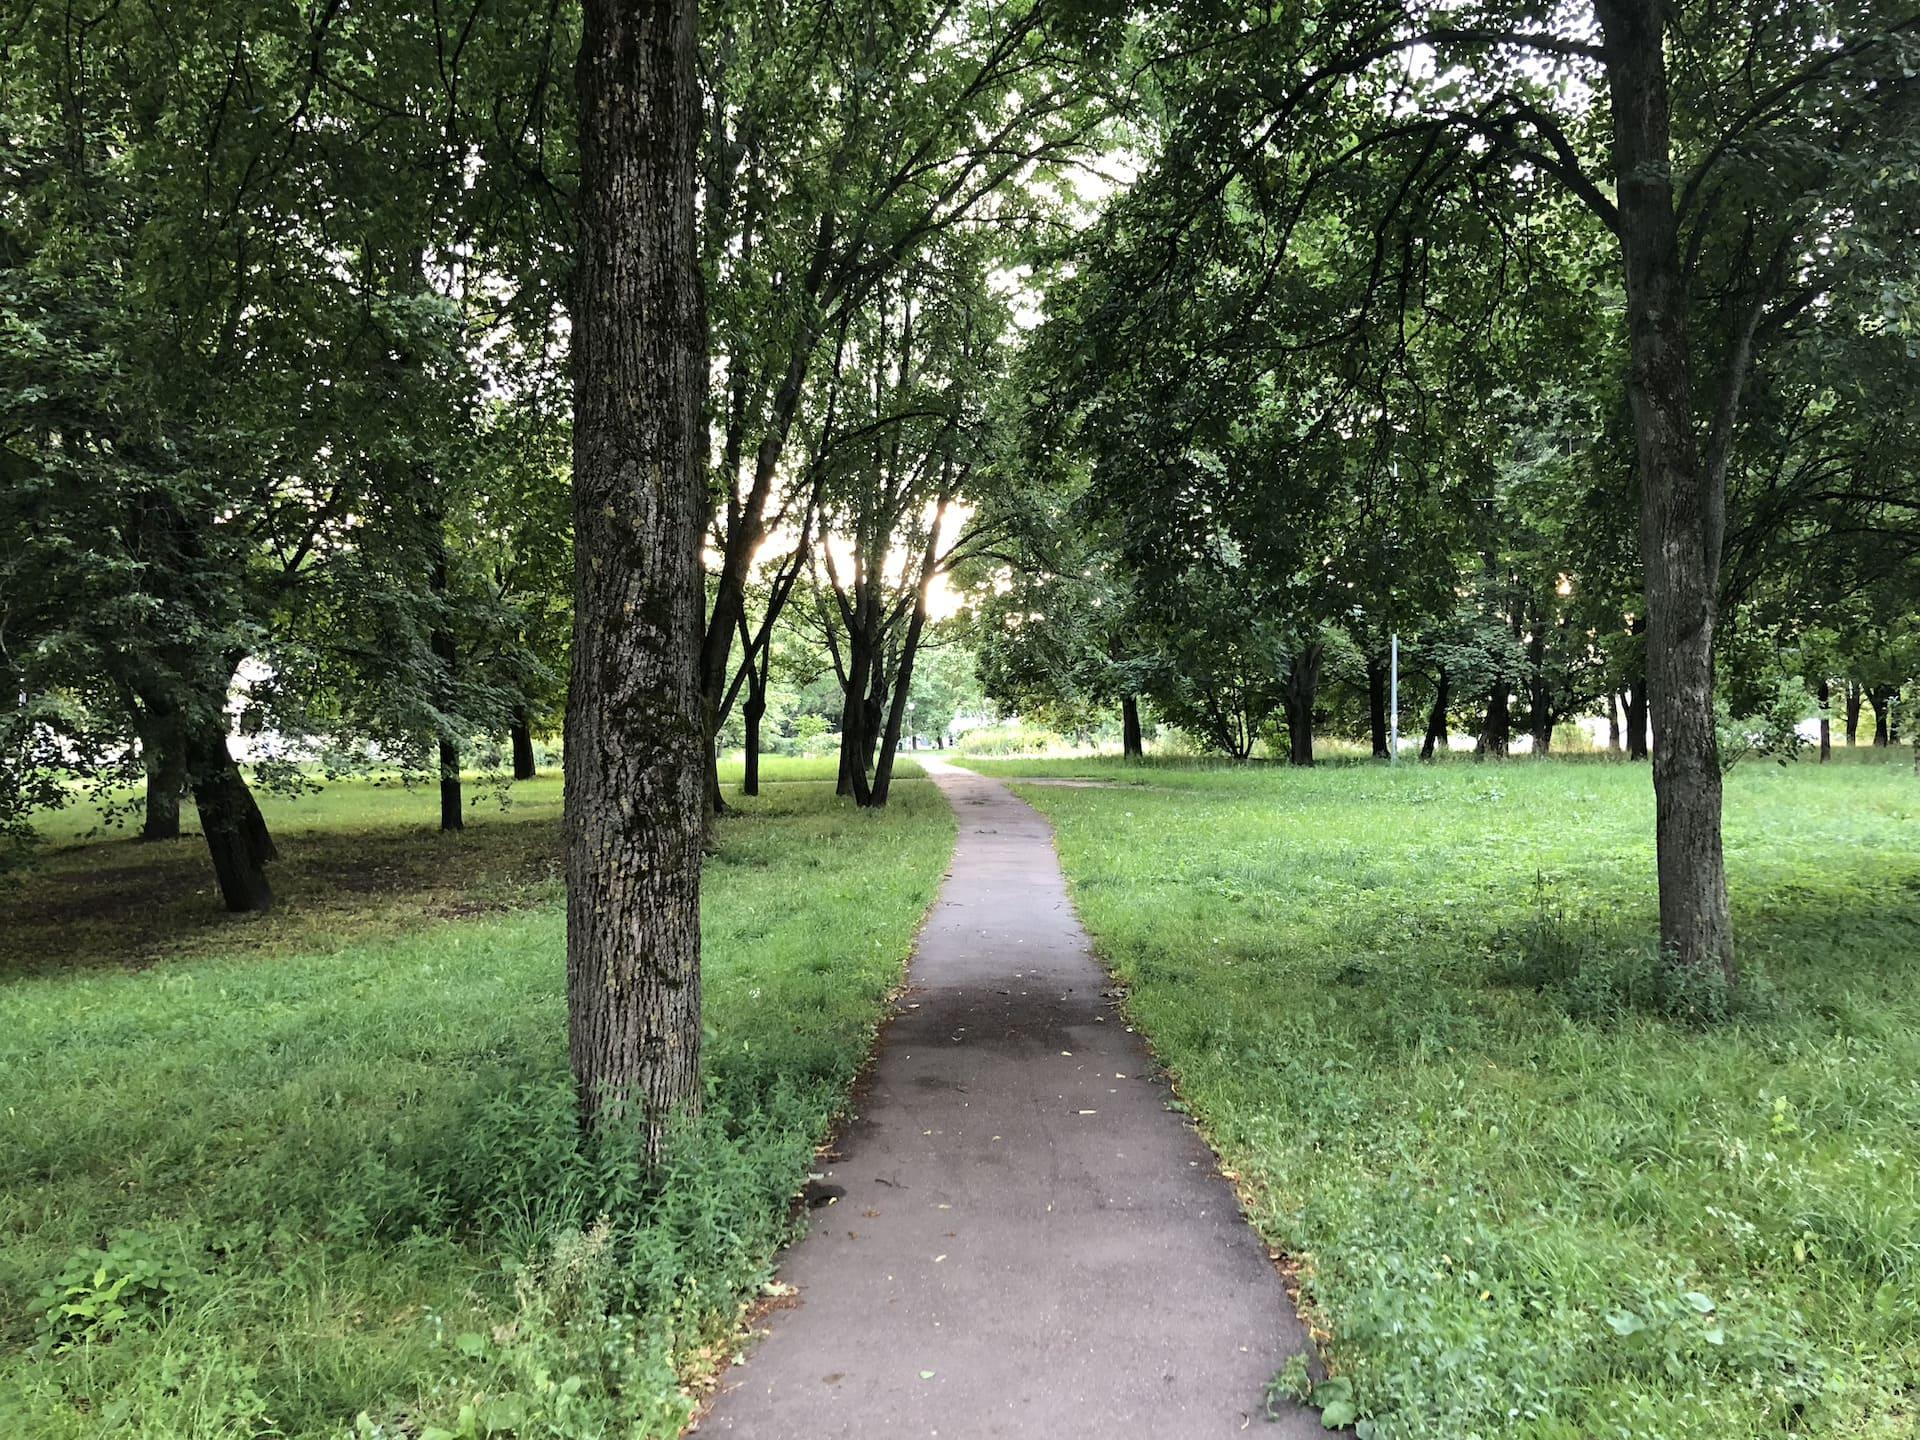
(524, 767)
(447, 654)
(1132, 742)
(636, 727)
(1436, 737)
(235, 831)
(1878, 697)
(1613, 721)
(1683, 500)
(1377, 705)
(750, 714)
(1853, 713)
(1826, 720)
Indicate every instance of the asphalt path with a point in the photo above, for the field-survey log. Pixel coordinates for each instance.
(1016, 1235)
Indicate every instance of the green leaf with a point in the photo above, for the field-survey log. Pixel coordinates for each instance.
(1625, 1322)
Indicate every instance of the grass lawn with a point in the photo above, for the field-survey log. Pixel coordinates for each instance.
(1410, 1009)
(316, 1174)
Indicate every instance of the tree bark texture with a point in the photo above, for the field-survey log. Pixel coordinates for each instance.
(236, 832)
(1683, 500)
(635, 727)
(163, 757)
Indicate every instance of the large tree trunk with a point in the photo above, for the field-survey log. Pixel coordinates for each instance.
(1880, 697)
(1496, 725)
(636, 727)
(524, 767)
(1683, 500)
(1377, 705)
(1826, 720)
(1853, 713)
(1132, 743)
(235, 830)
(1436, 737)
(163, 757)
(1302, 688)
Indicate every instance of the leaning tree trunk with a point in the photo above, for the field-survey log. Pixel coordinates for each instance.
(1436, 737)
(236, 832)
(635, 728)
(163, 757)
(1132, 742)
(1683, 499)
(524, 767)
(1377, 706)
(1825, 694)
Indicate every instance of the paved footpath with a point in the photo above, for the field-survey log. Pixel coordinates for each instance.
(1029, 1242)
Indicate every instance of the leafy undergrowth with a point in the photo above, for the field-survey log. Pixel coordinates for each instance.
(297, 1194)
(1535, 1193)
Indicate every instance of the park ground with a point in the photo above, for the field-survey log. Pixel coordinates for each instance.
(314, 1174)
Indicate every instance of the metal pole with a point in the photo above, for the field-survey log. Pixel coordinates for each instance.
(1393, 724)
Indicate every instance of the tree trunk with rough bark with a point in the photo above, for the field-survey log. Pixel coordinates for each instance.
(164, 759)
(236, 833)
(636, 726)
(1132, 742)
(1683, 498)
